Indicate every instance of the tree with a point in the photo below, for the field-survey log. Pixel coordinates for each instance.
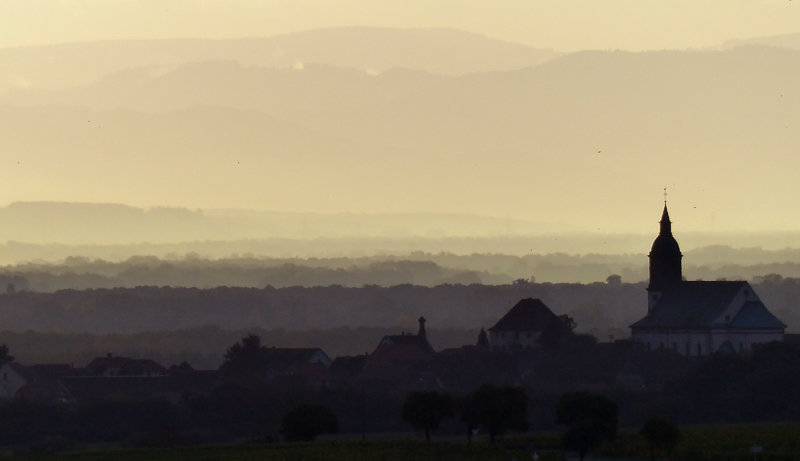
(5, 357)
(497, 409)
(590, 419)
(660, 434)
(426, 410)
(557, 332)
(246, 351)
(244, 358)
(306, 422)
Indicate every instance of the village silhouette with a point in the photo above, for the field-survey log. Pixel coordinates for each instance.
(704, 351)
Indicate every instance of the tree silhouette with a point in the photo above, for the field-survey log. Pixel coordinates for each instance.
(245, 357)
(560, 330)
(306, 422)
(497, 409)
(426, 410)
(660, 434)
(5, 357)
(590, 420)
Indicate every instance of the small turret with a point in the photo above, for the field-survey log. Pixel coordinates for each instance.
(421, 333)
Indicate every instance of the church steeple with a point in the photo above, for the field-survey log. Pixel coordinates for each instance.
(666, 224)
(665, 259)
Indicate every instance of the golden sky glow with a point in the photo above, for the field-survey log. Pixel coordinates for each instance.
(566, 25)
(587, 141)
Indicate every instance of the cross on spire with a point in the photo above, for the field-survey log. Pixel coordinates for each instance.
(665, 195)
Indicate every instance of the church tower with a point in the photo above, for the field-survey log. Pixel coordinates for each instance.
(665, 261)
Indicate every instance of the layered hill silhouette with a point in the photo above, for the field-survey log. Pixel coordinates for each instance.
(791, 41)
(116, 224)
(525, 142)
(437, 50)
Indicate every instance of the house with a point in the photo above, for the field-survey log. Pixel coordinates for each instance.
(12, 377)
(400, 359)
(110, 365)
(35, 382)
(524, 326)
(405, 347)
(697, 318)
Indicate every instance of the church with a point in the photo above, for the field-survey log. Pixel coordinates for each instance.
(698, 318)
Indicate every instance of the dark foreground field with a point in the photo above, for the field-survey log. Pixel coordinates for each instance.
(717, 443)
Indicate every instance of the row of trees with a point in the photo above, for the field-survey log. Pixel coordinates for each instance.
(494, 409)
(590, 419)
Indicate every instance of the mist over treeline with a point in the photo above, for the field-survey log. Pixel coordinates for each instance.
(415, 268)
(603, 308)
(195, 325)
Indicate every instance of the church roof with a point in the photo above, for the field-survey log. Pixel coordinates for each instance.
(696, 305)
(756, 315)
(527, 315)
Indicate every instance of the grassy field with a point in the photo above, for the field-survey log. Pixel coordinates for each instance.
(387, 450)
(698, 443)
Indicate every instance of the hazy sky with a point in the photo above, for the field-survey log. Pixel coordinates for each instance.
(566, 25)
(716, 141)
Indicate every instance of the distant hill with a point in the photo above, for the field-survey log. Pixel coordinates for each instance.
(543, 140)
(445, 51)
(791, 41)
(114, 224)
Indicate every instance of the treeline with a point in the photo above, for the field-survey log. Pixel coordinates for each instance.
(203, 347)
(150, 308)
(602, 309)
(718, 389)
(416, 268)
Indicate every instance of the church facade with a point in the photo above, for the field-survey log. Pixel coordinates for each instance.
(696, 317)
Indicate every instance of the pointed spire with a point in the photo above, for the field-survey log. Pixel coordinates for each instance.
(665, 258)
(666, 224)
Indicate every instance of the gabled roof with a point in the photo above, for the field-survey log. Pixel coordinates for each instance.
(406, 339)
(756, 315)
(696, 305)
(43, 372)
(124, 366)
(402, 347)
(527, 315)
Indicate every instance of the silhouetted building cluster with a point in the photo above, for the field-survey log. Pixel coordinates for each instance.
(684, 317)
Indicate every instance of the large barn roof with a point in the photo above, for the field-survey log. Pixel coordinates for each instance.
(528, 314)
